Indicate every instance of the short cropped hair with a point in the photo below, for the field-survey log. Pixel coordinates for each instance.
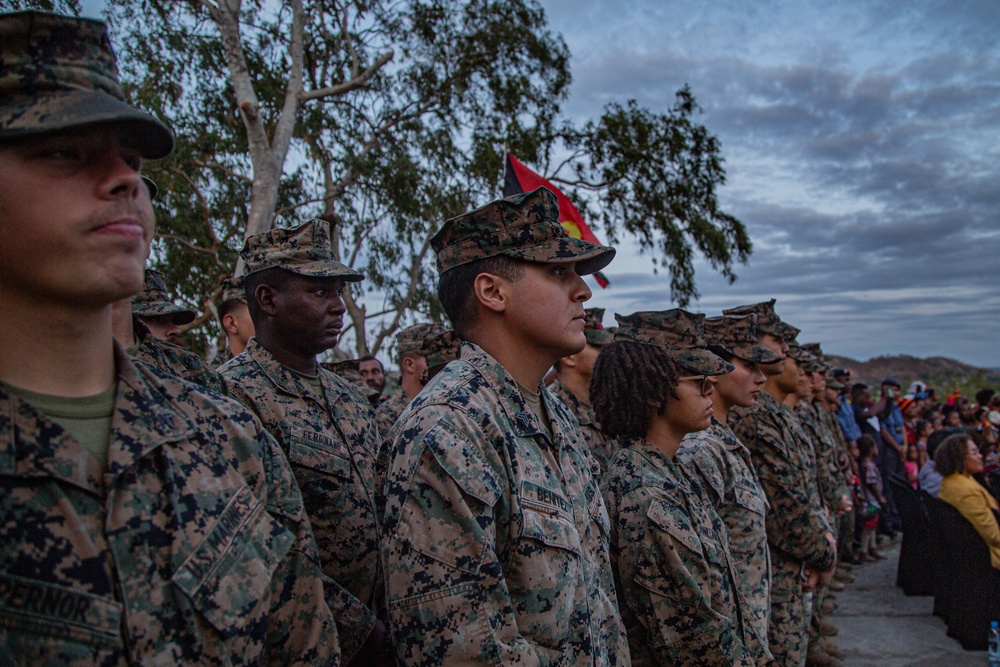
(455, 288)
(627, 376)
(275, 277)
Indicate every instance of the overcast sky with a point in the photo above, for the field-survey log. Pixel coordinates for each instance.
(861, 146)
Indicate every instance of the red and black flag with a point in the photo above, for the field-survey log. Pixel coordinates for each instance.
(517, 179)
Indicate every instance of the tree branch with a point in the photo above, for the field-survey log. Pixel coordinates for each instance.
(356, 82)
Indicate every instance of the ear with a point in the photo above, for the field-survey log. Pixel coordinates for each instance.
(408, 365)
(229, 324)
(265, 294)
(569, 361)
(491, 292)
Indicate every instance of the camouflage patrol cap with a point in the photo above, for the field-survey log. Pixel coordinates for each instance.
(304, 250)
(680, 333)
(806, 360)
(58, 72)
(524, 226)
(413, 340)
(832, 382)
(593, 327)
(440, 351)
(154, 301)
(232, 290)
(768, 321)
(816, 350)
(738, 336)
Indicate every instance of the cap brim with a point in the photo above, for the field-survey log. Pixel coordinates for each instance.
(322, 269)
(589, 257)
(701, 361)
(178, 314)
(49, 112)
(754, 352)
(598, 336)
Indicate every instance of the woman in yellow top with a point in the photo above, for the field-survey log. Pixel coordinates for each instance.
(958, 459)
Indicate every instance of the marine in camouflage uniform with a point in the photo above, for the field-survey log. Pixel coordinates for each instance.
(725, 469)
(173, 359)
(157, 310)
(670, 550)
(797, 530)
(411, 343)
(180, 539)
(326, 428)
(601, 447)
(495, 538)
(234, 318)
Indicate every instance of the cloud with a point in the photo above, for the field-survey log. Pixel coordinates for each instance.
(861, 146)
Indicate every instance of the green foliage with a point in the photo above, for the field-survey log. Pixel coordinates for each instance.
(420, 141)
(71, 7)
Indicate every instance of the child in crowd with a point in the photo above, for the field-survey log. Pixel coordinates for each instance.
(871, 496)
(912, 464)
(923, 429)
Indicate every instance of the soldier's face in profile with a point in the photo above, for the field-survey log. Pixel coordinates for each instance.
(75, 218)
(740, 386)
(545, 308)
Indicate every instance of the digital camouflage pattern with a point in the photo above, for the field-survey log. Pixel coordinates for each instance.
(154, 300)
(523, 226)
(600, 446)
(593, 327)
(414, 339)
(172, 359)
(725, 469)
(738, 336)
(768, 321)
(673, 568)
(59, 72)
(495, 541)
(305, 250)
(192, 548)
(680, 333)
(232, 290)
(829, 478)
(389, 410)
(332, 443)
(440, 351)
(796, 527)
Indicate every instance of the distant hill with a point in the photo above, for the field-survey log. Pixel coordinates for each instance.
(941, 373)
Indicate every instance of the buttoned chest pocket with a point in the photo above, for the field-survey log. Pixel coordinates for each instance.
(318, 453)
(42, 623)
(685, 556)
(544, 573)
(749, 499)
(227, 576)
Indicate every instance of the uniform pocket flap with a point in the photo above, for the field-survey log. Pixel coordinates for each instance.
(229, 572)
(549, 528)
(318, 452)
(749, 499)
(30, 607)
(465, 464)
(675, 522)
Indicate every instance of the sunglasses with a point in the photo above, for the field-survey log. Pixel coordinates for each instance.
(702, 379)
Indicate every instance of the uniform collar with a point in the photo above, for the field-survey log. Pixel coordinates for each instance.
(287, 380)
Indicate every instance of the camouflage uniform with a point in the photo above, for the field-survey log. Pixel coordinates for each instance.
(191, 548)
(600, 446)
(673, 567)
(154, 301)
(172, 359)
(495, 541)
(389, 410)
(410, 341)
(723, 466)
(329, 437)
(231, 290)
(331, 441)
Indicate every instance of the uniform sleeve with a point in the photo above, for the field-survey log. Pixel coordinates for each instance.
(354, 619)
(447, 598)
(672, 565)
(794, 527)
(301, 627)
